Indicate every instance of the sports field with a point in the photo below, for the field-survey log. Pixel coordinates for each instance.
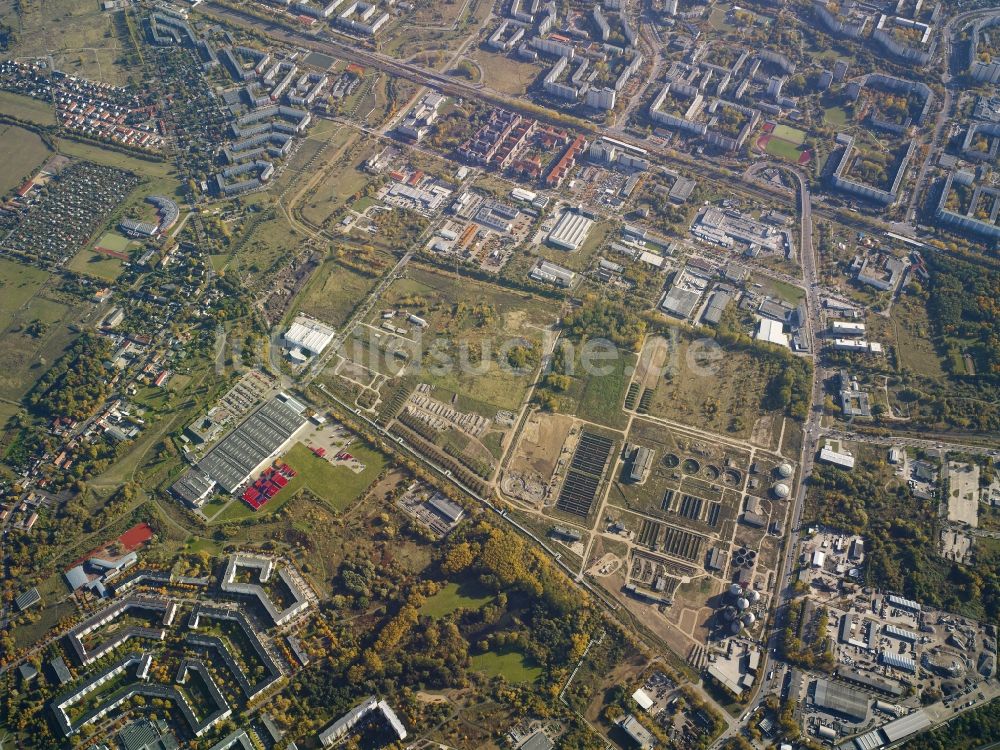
(112, 243)
(782, 149)
(786, 133)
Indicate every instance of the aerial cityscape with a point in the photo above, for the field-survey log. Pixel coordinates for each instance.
(499, 374)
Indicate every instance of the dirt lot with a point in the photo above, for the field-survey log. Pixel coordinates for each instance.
(541, 444)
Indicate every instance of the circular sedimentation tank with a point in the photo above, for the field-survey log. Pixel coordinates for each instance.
(690, 466)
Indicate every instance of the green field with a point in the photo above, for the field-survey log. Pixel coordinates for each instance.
(333, 293)
(27, 108)
(915, 338)
(337, 486)
(98, 265)
(598, 397)
(510, 664)
(271, 243)
(504, 73)
(160, 176)
(21, 152)
(789, 134)
(836, 116)
(783, 149)
(455, 596)
(24, 352)
(114, 241)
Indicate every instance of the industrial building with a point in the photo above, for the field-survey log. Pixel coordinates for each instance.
(642, 460)
(194, 487)
(841, 700)
(894, 731)
(637, 732)
(679, 302)
(308, 335)
(772, 332)
(550, 273)
(571, 231)
(847, 328)
(717, 305)
(254, 443)
(840, 458)
(419, 119)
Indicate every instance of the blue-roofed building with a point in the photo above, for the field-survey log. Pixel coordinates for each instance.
(76, 577)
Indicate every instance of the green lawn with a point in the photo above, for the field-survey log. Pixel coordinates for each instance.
(337, 486)
(113, 241)
(787, 133)
(197, 544)
(94, 264)
(783, 149)
(836, 116)
(510, 664)
(455, 596)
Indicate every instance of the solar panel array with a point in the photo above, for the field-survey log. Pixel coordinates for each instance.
(259, 437)
(585, 473)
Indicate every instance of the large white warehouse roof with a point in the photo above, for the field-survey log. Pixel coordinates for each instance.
(309, 334)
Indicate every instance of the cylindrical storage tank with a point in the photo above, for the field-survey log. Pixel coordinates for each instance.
(827, 733)
(742, 604)
(754, 597)
(781, 490)
(784, 470)
(735, 589)
(887, 708)
(749, 619)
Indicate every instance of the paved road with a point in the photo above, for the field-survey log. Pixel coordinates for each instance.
(811, 435)
(326, 43)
